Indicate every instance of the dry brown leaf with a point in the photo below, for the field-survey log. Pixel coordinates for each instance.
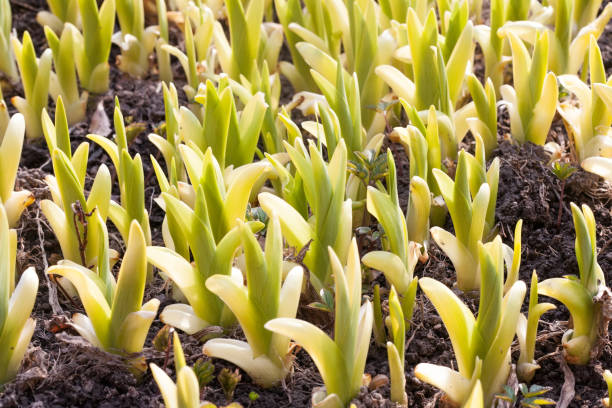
(567, 391)
(100, 124)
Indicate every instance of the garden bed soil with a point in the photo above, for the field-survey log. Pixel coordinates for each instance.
(62, 370)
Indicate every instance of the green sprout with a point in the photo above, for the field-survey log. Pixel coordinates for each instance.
(531, 397)
(562, 171)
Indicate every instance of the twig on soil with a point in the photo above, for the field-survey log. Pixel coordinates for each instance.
(511, 167)
(151, 199)
(604, 246)
(44, 164)
(80, 216)
(414, 326)
(53, 301)
(168, 347)
(434, 401)
(539, 339)
(23, 5)
(567, 391)
(547, 336)
(562, 205)
(286, 389)
(64, 293)
(547, 356)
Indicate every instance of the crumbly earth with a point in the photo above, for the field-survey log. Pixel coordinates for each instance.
(61, 370)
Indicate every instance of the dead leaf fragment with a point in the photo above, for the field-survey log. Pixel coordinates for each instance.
(567, 391)
(100, 124)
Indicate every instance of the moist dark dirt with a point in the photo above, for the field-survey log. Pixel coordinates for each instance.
(62, 370)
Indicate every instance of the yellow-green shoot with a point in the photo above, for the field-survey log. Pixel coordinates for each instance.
(579, 293)
(265, 356)
(341, 360)
(481, 344)
(16, 304)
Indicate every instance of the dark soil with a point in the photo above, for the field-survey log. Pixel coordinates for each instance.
(62, 370)
(529, 190)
